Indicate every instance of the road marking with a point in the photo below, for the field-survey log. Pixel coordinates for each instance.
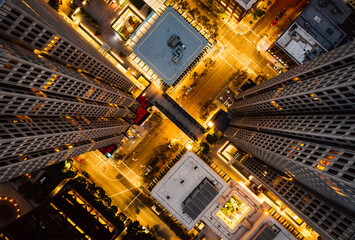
(128, 169)
(132, 201)
(254, 33)
(122, 192)
(233, 56)
(247, 39)
(229, 63)
(229, 41)
(113, 180)
(126, 176)
(224, 34)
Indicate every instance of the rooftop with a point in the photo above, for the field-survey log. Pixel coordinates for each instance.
(181, 181)
(298, 43)
(154, 51)
(335, 10)
(246, 4)
(312, 33)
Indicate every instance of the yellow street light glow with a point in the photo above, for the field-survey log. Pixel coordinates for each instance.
(210, 124)
(189, 146)
(76, 10)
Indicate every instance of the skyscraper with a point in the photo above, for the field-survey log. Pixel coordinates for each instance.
(57, 100)
(36, 24)
(302, 124)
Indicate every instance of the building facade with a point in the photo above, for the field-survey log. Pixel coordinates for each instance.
(54, 106)
(315, 31)
(39, 26)
(302, 124)
(328, 220)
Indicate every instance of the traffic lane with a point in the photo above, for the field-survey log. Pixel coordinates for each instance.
(208, 87)
(137, 209)
(144, 151)
(106, 178)
(122, 192)
(293, 9)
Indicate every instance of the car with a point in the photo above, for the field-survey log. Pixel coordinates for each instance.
(278, 17)
(147, 170)
(281, 14)
(274, 22)
(79, 159)
(188, 90)
(85, 174)
(278, 69)
(156, 209)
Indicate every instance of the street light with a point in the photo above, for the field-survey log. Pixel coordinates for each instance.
(189, 146)
(210, 124)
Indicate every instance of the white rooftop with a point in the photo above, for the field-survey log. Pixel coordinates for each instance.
(192, 171)
(297, 42)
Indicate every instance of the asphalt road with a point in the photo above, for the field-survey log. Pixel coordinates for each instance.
(123, 194)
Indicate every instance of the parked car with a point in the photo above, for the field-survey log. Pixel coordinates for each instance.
(278, 69)
(156, 210)
(147, 170)
(85, 174)
(278, 17)
(274, 22)
(188, 90)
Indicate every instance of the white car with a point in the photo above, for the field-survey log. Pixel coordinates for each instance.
(278, 69)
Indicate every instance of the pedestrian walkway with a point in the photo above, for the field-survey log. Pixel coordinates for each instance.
(175, 113)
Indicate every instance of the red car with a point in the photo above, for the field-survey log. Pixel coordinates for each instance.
(274, 22)
(278, 17)
(79, 159)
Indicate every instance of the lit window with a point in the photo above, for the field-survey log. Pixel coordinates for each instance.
(320, 167)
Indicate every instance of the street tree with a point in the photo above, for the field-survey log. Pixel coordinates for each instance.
(136, 232)
(70, 174)
(260, 79)
(212, 138)
(239, 77)
(122, 217)
(106, 201)
(194, 75)
(183, 89)
(155, 120)
(185, 5)
(82, 180)
(54, 4)
(258, 13)
(99, 192)
(204, 148)
(113, 209)
(119, 156)
(192, 12)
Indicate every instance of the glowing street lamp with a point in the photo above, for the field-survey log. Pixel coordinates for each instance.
(210, 124)
(189, 146)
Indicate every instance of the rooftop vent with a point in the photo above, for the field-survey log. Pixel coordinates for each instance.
(178, 47)
(173, 41)
(317, 19)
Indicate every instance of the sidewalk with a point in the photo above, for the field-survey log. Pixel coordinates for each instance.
(244, 25)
